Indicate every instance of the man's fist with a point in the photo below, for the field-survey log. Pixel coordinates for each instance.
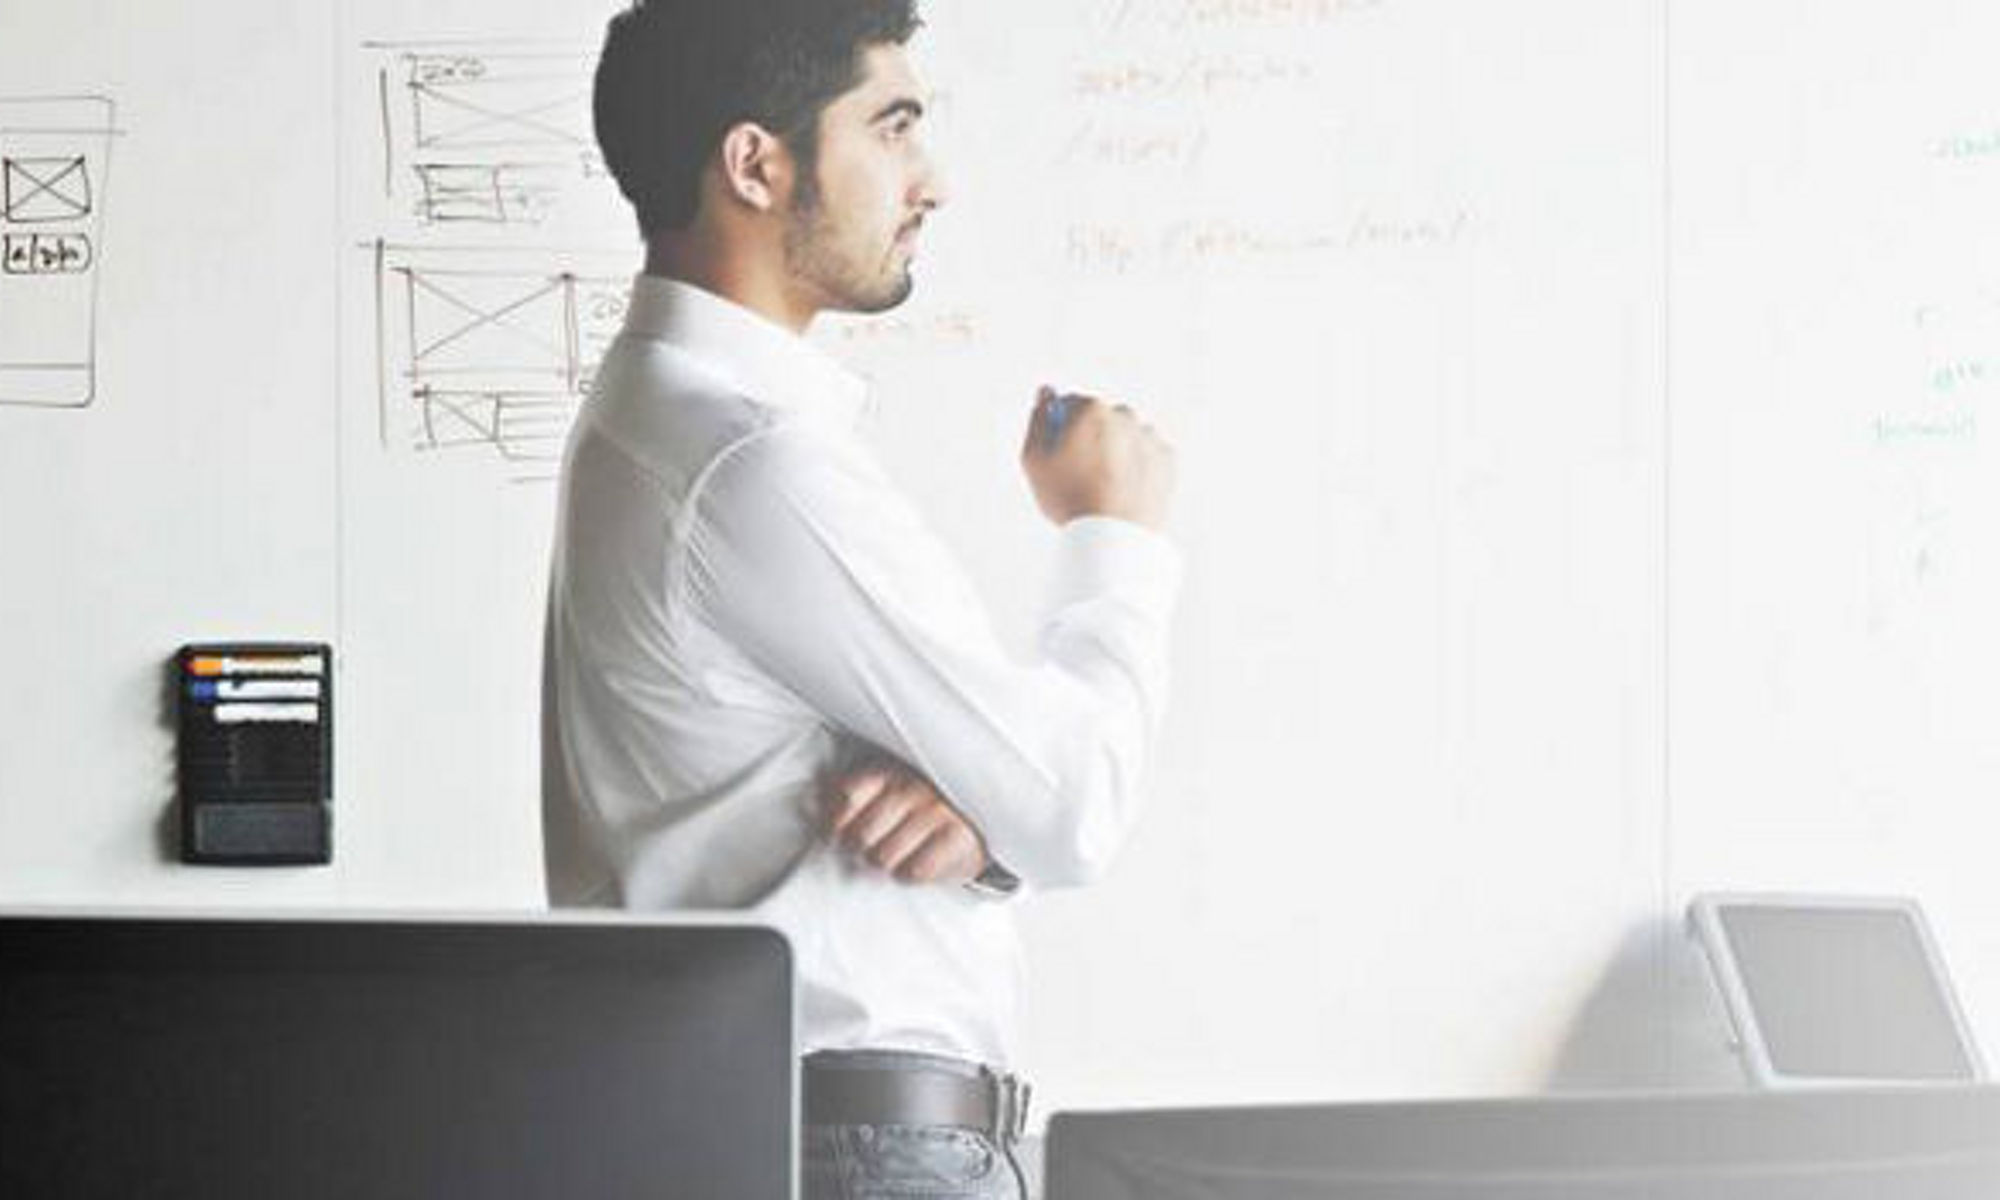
(892, 816)
(1086, 458)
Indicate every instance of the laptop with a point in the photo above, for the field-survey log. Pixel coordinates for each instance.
(1935, 1142)
(1834, 990)
(507, 1059)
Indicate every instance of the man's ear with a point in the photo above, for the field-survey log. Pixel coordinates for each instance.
(756, 167)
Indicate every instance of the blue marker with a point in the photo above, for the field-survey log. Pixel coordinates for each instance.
(254, 689)
(1055, 416)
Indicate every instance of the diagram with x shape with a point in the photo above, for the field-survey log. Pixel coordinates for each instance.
(491, 134)
(55, 154)
(488, 352)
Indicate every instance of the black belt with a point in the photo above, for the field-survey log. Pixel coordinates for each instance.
(991, 1102)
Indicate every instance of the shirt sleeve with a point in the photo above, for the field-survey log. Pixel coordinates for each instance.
(803, 556)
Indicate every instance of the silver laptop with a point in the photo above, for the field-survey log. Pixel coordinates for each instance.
(1907, 1143)
(1834, 990)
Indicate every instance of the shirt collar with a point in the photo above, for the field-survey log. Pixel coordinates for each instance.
(770, 364)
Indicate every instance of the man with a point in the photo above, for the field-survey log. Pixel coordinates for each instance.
(768, 687)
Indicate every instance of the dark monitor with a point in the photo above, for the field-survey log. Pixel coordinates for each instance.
(232, 1059)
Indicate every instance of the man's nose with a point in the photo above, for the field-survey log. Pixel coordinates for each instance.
(930, 190)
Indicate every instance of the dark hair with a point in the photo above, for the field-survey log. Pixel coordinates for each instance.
(676, 75)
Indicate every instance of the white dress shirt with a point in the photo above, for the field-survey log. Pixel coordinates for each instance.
(741, 604)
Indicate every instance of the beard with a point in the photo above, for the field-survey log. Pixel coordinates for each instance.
(843, 275)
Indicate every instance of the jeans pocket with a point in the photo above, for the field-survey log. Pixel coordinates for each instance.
(924, 1161)
(821, 1162)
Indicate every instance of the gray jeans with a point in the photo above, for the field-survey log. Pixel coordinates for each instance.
(906, 1162)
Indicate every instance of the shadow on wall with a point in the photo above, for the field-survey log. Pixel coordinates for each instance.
(1653, 1022)
(167, 828)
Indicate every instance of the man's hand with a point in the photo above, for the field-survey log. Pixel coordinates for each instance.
(894, 817)
(1104, 461)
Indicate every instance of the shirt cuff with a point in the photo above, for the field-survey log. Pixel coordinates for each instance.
(1108, 556)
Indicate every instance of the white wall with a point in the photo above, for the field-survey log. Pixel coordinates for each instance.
(1580, 410)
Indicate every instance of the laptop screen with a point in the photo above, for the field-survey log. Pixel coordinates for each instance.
(1847, 993)
(310, 1059)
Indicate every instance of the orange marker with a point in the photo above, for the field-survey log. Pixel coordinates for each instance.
(307, 664)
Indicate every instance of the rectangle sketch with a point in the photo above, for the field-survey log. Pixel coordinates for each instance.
(488, 133)
(45, 253)
(55, 156)
(488, 352)
(44, 189)
(498, 194)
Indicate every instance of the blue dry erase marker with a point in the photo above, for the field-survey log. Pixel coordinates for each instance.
(1054, 417)
(254, 689)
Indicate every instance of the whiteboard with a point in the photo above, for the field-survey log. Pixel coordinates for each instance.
(1834, 550)
(1525, 580)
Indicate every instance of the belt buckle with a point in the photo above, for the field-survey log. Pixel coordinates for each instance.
(1010, 1104)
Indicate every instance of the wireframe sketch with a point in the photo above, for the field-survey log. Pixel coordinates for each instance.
(44, 189)
(495, 134)
(55, 156)
(487, 352)
(499, 194)
(45, 254)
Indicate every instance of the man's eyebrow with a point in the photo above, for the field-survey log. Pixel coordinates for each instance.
(898, 107)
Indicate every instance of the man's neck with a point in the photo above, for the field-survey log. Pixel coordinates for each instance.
(759, 292)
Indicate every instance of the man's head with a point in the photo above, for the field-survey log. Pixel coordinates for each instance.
(773, 141)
